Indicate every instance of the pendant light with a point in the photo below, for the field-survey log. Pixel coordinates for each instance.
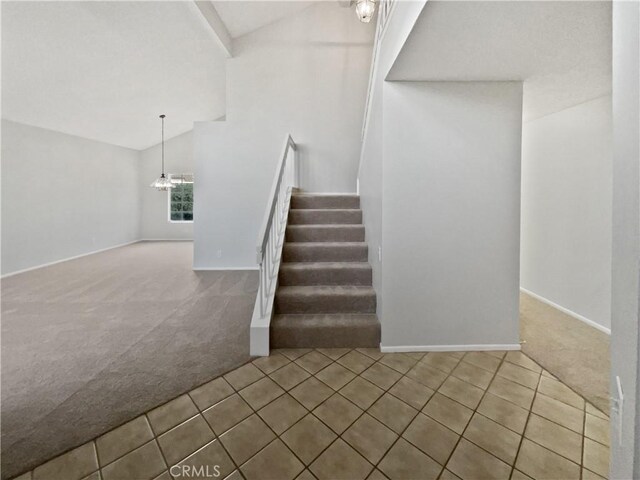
(163, 183)
(365, 10)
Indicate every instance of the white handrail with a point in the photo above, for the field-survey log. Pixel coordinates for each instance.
(275, 219)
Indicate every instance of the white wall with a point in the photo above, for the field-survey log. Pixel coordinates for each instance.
(370, 169)
(64, 196)
(451, 213)
(566, 209)
(626, 238)
(154, 223)
(305, 75)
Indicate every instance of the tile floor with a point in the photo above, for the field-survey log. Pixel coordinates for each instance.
(358, 414)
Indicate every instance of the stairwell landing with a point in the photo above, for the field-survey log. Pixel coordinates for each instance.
(325, 296)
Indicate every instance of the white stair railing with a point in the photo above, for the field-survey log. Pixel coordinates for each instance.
(270, 243)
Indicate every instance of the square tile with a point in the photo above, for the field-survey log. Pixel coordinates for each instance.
(210, 393)
(411, 392)
(398, 361)
(306, 475)
(308, 438)
(462, 392)
(172, 413)
(597, 429)
(446, 363)
(519, 375)
(338, 413)
(512, 392)
(243, 376)
(447, 475)
(558, 412)
(361, 392)
(416, 355)
(494, 438)
(370, 438)
(181, 441)
(227, 413)
(394, 413)
(451, 414)
(521, 359)
(496, 353)
(538, 462)
(260, 393)
(75, 464)
(374, 353)
(505, 413)
(340, 462)
(289, 376)
(274, 462)
(555, 389)
(311, 393)
(517, 475)
(292, 353)
(432, 438)
(355, 361)
(123, 439)
(477, 376)
(381, 375)
(376, 475)
(427, 376)
(334, 353)
(282, 413)
(596, 457)
(482, 360)
(206, 459)
(469, 461)
(313, 362)
(554, 437)
(589, 475)
(247, 438)
(595, 412)
(271, 363)
(144, 463)
(336, 376)
(404, 461)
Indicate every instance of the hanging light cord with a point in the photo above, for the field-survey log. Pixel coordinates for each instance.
(162, 117)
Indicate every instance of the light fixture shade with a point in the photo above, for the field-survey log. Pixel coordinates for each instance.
(163, 183)
(365, 10)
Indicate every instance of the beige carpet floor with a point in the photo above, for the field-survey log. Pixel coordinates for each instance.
(91, 343)
(574, 352)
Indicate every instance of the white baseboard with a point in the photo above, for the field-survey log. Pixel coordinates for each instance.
(37, 267)
(571, 313)
(223, 269)
(449, 348)
(166, 240)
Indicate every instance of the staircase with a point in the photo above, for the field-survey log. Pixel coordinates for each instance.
(324, 296)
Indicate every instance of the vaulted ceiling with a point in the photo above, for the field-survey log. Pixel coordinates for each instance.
(106, 70)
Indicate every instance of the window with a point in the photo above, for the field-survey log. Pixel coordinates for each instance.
(181, 198)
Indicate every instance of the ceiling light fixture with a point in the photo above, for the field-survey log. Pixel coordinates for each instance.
(365, 10)
(163, 183)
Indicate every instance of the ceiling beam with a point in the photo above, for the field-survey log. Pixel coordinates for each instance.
(218, 27)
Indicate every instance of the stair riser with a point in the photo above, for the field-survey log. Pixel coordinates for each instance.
(325, 276)
(321, 253)
(320, 217)
(330, 201)
(325, 337)
(325, 303)
(325, 234)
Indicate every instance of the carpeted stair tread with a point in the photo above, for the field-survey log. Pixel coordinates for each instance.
(325, 330)
(324, 233)
(314, 216)
(325, 273)
(314, 201)
(325, 252)
(325, 299)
